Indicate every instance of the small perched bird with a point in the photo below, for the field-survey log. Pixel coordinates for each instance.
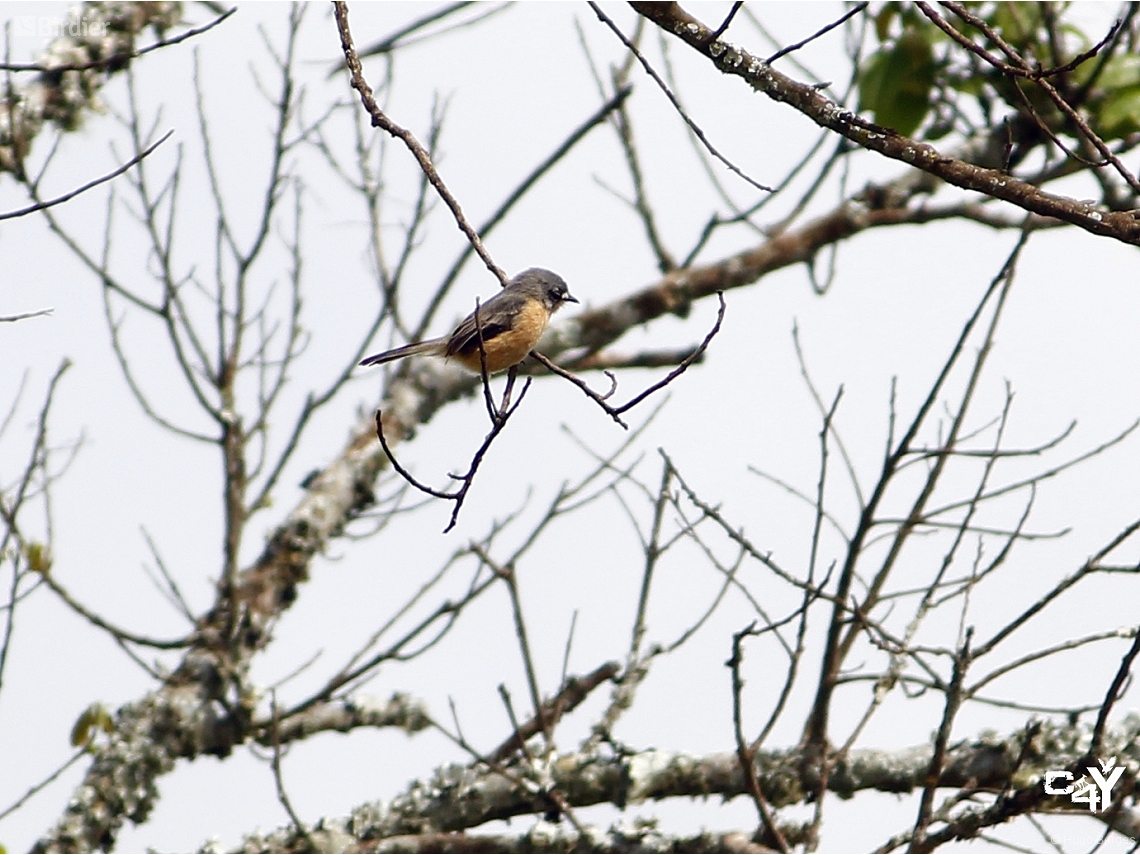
(511, 322)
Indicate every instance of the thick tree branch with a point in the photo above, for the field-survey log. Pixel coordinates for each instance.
(342, 716)
(74, 70)
(184, 718)
(1122, 226)
(462, 797)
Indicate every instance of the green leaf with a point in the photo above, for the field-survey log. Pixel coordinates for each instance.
(94, 717)
(1120, 113)
(1120, 72)
(883, 21)
(1019, 24)
(896, 82)
(39, 557)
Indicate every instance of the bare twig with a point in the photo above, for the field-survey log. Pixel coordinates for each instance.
(574, 690)
(507, 574)
(604, 18)
(49, 779)
(391, 42)
(732, 60)
(954, 696)
(24, 315)
(458, 496)
(59, 200)
(380, 120)
(846, 16)
(107, 626)
(616, 412)
(1123, 673)
(279, 781)
(769, 831)
(120, 58)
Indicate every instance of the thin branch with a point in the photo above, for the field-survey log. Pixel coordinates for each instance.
(59, 200)
(107, 626)
(850, 13)
(954, 696)
(279, 781)
(1119, 225)
(466, 479)
(769, 832)
(389, 43)
(616, 412)
(25, 315)
(121, 58)
(35, 788)
(574, 690)
(604, 18)
(380, 120)
(507, 574)
(1114, 693)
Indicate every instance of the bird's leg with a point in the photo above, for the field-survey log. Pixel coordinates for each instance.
(512, 372)
(496, 415)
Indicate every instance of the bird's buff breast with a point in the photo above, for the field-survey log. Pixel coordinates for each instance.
(511, 346)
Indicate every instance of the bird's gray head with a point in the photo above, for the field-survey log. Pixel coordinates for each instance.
(545, 285)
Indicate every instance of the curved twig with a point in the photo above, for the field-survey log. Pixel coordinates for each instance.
(615, 412)
(498, 422)
(380, 120)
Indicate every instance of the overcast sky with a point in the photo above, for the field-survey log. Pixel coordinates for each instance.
(514, 86)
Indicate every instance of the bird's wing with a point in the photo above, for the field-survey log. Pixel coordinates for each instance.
(465, 339)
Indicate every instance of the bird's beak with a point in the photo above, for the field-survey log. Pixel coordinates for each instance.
(569, 299)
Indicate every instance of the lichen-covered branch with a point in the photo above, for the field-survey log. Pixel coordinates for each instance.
(809, 100)
(463, 797)
(98, 40)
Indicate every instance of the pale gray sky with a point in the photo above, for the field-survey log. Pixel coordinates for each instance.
(514, 86)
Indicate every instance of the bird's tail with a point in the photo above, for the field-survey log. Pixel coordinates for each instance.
(435, 346)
